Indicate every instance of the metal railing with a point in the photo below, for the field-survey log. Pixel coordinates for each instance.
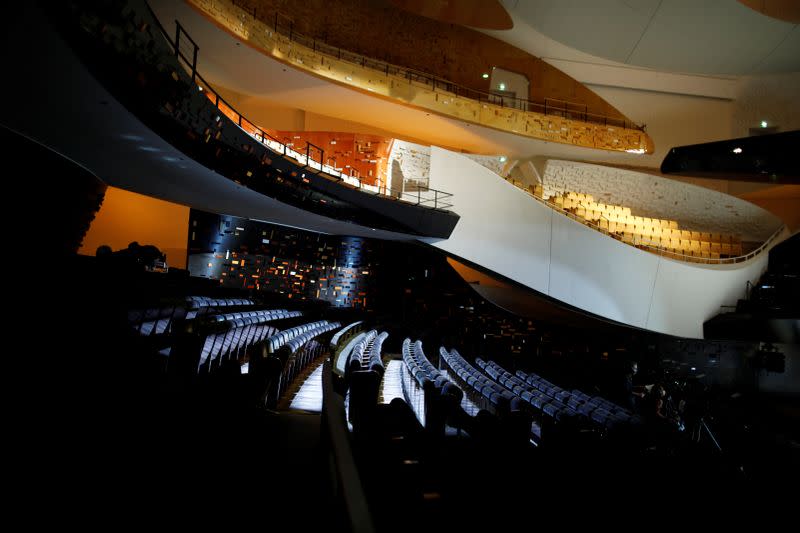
(284, 25)
(426, 197)
(649, 245)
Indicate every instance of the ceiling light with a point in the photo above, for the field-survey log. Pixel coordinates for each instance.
(502, 86)
(502, 159)
(484, 75)
(763, 123)
(737, 150)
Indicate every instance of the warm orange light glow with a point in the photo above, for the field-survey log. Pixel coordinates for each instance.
(126, 216)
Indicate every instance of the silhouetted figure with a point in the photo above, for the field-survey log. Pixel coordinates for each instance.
(660, 412)
(631, 394)
(138, 257)
(103, 252)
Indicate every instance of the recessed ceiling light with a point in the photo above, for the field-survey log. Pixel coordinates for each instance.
(737, 150)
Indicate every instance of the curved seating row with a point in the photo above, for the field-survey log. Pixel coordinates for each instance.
(158, 319)
(360, 351)
(237, 331)
(557, 403)
(495, 397)
(296, 343)
(275, 341)
(300, 351)
(366, 355)
(365, 373)
(433, 397)
(420, 368)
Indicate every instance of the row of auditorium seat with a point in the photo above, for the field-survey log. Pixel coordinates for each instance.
(300, 351)
(275, 341)
(556, 402)
(441, 397)
(158, 319)
(365, 372)
(419, 366)
(366, 354)
(235, 332)
(495, 398)
(296, 343)
(357, 353)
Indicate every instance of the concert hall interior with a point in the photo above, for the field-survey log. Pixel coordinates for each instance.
(374, 265)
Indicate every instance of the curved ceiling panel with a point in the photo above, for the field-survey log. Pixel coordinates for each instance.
(710, 37)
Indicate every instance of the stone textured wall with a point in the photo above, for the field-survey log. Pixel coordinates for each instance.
(694, 208)
(412, 162)
(495, 163)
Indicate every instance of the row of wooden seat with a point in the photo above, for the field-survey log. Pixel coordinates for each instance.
(684, 247)
(603, 210)
(642, 231)
(653, 232)
(621, 218)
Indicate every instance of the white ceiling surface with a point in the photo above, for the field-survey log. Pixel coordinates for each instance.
(252, 73)
(712, 37)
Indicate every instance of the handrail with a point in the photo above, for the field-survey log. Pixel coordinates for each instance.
(436, 82)
(343, 462)
(260, 135)
(641, 242)
(344, 333)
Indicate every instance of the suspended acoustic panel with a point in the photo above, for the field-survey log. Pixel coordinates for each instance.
(769, 159)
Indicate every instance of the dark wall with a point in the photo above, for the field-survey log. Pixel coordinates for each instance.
(61, 196)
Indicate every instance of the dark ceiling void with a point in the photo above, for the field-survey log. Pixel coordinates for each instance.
(770, 159)
(484, 14)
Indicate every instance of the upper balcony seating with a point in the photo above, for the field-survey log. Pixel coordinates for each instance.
(652, 234)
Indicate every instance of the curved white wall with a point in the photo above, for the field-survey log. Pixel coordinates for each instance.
(506, 231)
